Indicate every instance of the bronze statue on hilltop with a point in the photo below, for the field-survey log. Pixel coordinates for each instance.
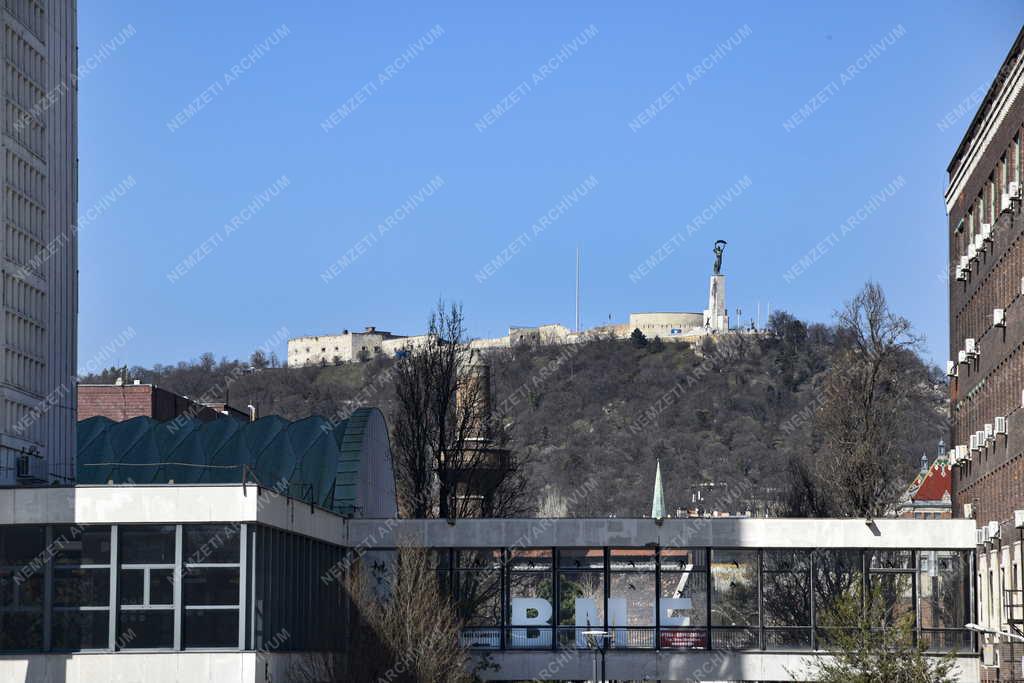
(719, 248)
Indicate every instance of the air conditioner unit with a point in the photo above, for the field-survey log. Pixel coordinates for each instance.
(999, 317)
(1004, 203)
(962, 358)
(980, 536)
(962, 452)
(986, 231)
(969, 512)
(1018, 519)
(1013, 189)
(951, 368)
(990, 433)
(972, 252)
(974, 442)
(971, 347)
(989, 656)
(1000, 425)
(961, 275)
(993, 530)
(979, 243)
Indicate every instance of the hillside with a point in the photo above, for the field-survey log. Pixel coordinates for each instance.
(594, 418)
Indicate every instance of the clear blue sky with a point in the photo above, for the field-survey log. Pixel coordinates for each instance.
(420, 122)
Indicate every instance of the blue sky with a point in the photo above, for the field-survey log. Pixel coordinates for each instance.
(245, 190)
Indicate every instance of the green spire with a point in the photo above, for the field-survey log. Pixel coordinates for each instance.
(658, 506)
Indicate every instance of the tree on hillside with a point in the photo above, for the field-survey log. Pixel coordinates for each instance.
(638, 338)
(873, 383)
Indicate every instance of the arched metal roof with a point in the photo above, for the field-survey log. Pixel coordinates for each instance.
(345, 467)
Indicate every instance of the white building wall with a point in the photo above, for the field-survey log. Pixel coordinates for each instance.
(40, 257)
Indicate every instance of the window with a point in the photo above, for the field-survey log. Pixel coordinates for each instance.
(683, 598)
(531, 603)
(944, 577)
(22, 570)
(581, 599)
(787, 599)
(146, 574)
(734, 603)
(632, 598)
(478, 596)
(81, 588)
(211, 585)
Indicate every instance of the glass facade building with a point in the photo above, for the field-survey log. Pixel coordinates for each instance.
(702, 598)
(130, 587)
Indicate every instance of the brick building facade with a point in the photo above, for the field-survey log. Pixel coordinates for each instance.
(986, 367)
(123, 402)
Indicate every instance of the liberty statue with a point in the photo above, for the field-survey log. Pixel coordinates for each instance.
(719, 249)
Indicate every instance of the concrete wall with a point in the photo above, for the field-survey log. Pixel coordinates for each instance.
(667, 666)
(719, 532)
(665, 325)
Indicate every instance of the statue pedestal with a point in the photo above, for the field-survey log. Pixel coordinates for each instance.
(716, 318)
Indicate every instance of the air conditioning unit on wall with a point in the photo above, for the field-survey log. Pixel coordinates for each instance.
(1013, 189)
(999, 317)
(1004, 204)
(1000, 425)
(971, 347)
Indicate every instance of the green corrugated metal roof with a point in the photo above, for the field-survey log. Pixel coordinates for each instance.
(316, 461)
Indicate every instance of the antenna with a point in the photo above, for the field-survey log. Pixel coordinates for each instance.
(577, 290)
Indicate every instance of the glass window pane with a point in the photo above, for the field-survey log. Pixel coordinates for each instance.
(582, 598)
(787, 588)
(81, 587)
(211, 628)
(945, 588)
(890, 559)
(210, 586)
(28, 591)
(81, 545)
(531, 560)
(683, 559)
(531, 604)
(20, 545)
(161, 586)
(74, 630)
(684, 598)
(132, 586)
(479, 597)
(6, 589)
(631, 559)
(636, 592)
(734, 588)
(211, 543)
(146, 629)
(151, 544)
(478, 559)
(21, 631)
(837, 574)
(581, 558)
(891, 599)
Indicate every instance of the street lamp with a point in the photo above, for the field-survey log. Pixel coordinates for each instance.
(598, 642)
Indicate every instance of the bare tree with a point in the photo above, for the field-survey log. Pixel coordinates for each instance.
(870, 387)
(448, 454)
(411, 634)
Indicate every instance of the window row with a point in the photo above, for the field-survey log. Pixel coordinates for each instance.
(687, 598)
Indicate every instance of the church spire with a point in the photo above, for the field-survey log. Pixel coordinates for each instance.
(658, 506)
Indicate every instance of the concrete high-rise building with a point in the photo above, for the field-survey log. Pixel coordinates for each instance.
(39, 258)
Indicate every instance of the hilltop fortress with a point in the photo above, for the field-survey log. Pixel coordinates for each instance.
(347, 347)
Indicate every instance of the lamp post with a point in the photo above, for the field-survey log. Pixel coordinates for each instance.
(598, 642)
